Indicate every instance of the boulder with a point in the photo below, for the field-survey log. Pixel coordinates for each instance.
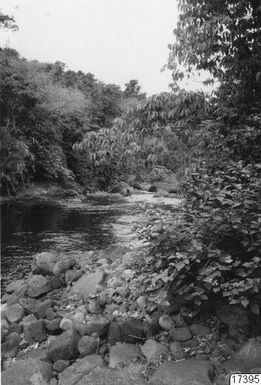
(114, 334)
(79, 369)
(186, 372)
(166, 322)
(107, 376)
(17, 286)
(122, 353)
(88, 284)
(246, 358)
(180, 334)
(88, 345)
(14, 313)
(120, 188)
(153, 350)
(132, 331)
(24, 372)
(97, 324)
(64, 347)
(43, 263)
(235, 317)
(34, 330)
(177, 351)
(63, 264)
(53, 326)
(39, 285)
(28, 304)
(72, 276)
(41, 307)
(198, 330)
(60, 365)
(10, 347)
(4, 328)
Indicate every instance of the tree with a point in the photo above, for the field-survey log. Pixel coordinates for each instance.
(224, 38)
(7, 22)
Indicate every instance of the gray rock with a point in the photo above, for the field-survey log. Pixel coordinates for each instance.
(198, 330)
(235, 317)
(63, 264)
(17, 286)
(177, 351)
(34, 330)
(28, 304)
(14, 327)
(53, 326)
(153, 350)
(123, 354)
(132, 331)
(114, 333)
(64, 347)
(41, 307)
(97, 324)
(107, 376)
(72, 276)
(246, 358)
(120, 188)
(186, 372)
(94, 307)
(66, 323)
(60, 365)
(14, 313)
(88, 284)
(166, 322)
(180, 334)
(4, 328)
(79, 369)
(25, 372)
(39, 353)
(88, 345)
(10, 347)
(39, 285)
(44, 263)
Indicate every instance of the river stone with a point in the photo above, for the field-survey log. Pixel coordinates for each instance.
(166, 322)
(17, 286)
(186, 372)
(114, 334)
(88, 284)
(14, 313)
(177, 351)
(107, 376)
(234, 316)
(41, 307)
(53, 326)
(180, 334)
(123, 354)
(88, 345)
(60, 365)
(132, 331)
(64, 347)
(63, 264)
(10, 347)
(66, 324)
(198, 330)
(28, 304)
(72, 276)
(34, 330)
(44, 263)
(246, 358)
(129, 258)
(39, 285)
(25, 372)
(80, 368)
(153, 350)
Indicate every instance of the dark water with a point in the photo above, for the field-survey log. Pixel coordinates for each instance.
(73, 226)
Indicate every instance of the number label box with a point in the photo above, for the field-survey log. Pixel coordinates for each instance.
(245, 379)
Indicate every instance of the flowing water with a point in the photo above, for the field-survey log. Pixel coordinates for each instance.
(71, 226)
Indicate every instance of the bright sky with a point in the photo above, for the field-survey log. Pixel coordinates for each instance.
(116, 40)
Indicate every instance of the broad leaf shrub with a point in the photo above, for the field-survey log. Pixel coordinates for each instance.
(211, 250)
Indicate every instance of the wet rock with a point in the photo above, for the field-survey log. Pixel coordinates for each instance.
(235, 317)
(72, 276)
(14, 313)
(76, 372)
(153, 350)
(198, 330)
(123, 354)
(39, 285)
(114, 333)
(88, 284)
(10, 347)
(186, 372)
(60, 365)
(63, 264)
(177, 351)
(132, 331)
(40, 308)
(24, 372)
(246, 358)
(88, 345)
(180, 334)
(166, 322)
(107, 376)
(64, 347)
(43, 263)
(34, 330)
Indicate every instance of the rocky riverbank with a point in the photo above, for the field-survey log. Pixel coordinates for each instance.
(85, 321)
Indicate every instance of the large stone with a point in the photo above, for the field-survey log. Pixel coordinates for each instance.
(53, 326)
(41, 307)
(44, 263)
(34, 330)
(4, 328)
(120, 188)
(88, 345)
(132, 331)
(60, 365)
(235, 317)
(88, 284)
(17, 286)
(10, 347)
(153, 350)
(39, 285)
(186, 372)
(121, 354)
(64, 347)
(181, 334)
(246, 358)
(72, 276)
(28, 304)
(198, 330)
(166, 322)
(14, 313)
(25, 372)
(79, 369)
(63, 264)
(114, 333)
(107, 376)
(97, 324)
